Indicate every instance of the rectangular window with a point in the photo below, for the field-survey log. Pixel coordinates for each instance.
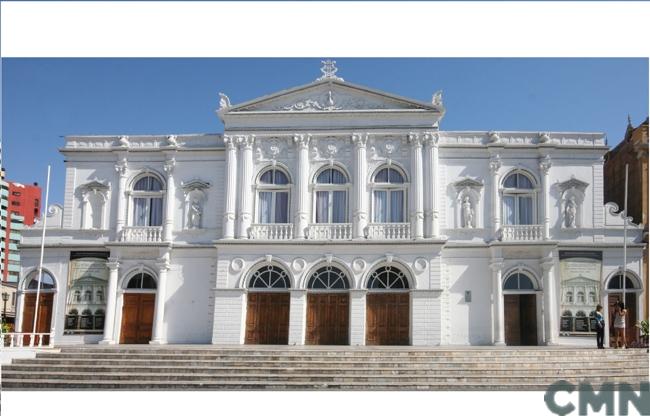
(397, 206)
(339, 205)
(525, 210)
(282, 207)
(15, 193)
(509, 210)
(380, 206)
(266, 199)
(15, 203)
(322, 205)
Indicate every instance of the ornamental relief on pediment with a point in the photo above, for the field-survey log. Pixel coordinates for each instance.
(329, 148)
(271, 149)
(383, 148)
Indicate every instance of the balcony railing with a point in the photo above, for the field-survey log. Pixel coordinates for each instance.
(389, 231)
(26, 339)
(142, 235)
(522, 232)
(338, 231)
(271, 231)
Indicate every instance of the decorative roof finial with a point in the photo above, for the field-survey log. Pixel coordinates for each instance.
(329, 70)
(629, 120)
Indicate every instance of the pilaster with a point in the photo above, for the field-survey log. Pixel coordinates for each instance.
(158, 336)
(170, 198)
(417, 190)
(360, 214)
(246, 187)
(544, 167)
(551, 329)
(497, 302)
(121, 169)
(301, 217)
(231, 188)
(495, 165)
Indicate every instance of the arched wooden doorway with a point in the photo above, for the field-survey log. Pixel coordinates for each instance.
(328, 307)
(45, 306)
(267, 312)
(615, 295)
(387, 307)
(138, 304)
(520, 310)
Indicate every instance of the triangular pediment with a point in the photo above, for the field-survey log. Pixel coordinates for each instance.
(330, 96)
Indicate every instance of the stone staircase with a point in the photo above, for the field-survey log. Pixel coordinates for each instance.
(308, 368)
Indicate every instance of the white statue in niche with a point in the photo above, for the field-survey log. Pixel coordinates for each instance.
(194, 216)
(570, 213)
(468, 213)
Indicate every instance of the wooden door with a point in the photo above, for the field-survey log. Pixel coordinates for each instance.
(44, 320)
(387, 319)
(327, 318)
(512, 319)
(267, 318)
(631, 331)
(520, 319)
(137, 318)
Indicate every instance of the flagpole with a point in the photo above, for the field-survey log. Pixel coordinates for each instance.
(40, 264)
(625, 236)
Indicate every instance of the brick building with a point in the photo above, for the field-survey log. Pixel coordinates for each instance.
(633, 150)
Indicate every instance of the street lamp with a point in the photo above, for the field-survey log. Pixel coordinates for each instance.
(5, 298)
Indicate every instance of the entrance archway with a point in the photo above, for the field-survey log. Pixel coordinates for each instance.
(614, 295)
(138, 303)
(520, 310)
(387, 307)
(328, 307)
(267, 312)
(45, 306)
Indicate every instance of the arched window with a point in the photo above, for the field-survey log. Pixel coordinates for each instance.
(518, 281)
(387, 277)
(269, 277)
(47, 281)
(389, 196)
(567, 313)
(581, 297)
(273, 197)
(328, 277)
(569, 297)
(331, 196)
(148, 202)
(518, 200)
(580, 314)
(141, 280)
(616, 283)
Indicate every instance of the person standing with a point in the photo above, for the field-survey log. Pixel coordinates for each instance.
(619, 323)
(600, 327)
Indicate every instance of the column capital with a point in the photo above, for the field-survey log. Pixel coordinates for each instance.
(415, 139)
(496, 265)
(163, 264)
(359, 139)
(302, 140)
(169, 166)
(230, 142)
(431, 138)
(246, 142)
(113, 264)
(547, 263)
(545, 164)
(495, 164)
(121, 167)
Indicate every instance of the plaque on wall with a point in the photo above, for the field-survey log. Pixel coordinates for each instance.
(582, 324)
(566, 324)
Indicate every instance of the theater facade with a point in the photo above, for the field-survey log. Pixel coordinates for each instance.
(335, 214)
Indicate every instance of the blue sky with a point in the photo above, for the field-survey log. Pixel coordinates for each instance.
(44, 99)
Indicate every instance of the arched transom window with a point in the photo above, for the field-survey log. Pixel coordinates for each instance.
(148, 202)
(273, 197)
(269, 277)
(386, 278)
(616, 283)
(518, 199)
(389, 196)
(518, 281)
(328, 277)
(331, 197)
(141, 280)
(47, 281)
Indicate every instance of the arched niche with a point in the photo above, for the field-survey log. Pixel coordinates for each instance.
(572, 196)
(468, 204)
(94, 196)
(195, 195)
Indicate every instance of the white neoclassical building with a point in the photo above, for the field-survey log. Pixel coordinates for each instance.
(329, 213)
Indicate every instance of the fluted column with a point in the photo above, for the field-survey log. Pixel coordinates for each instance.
(231, 187)
(551, 329)
(170, 198)
(545, 167)
(495, 165)
(121, 168)
(360, 215)
(431, 200)
(246, 187)
(417, 207)
(497, 303)
(161, 297)
(111, 300)
(301, 217)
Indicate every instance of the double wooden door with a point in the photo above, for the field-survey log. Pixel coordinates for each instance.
(520, 318)
(387, 319)
(137, 318)
(267, 318)
(328, 317)
(44, 319)
(631, 330)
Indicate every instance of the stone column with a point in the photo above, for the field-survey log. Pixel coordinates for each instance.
(497, 303)
(170, 198)
(551, 329)
(358, 316)
(495, 165)
(297, 316)
(121, 168)
(301, 217)
(246, 187)
(417, 208)
(431, 210)
(161, 297)
(111, 300)
(360, 189)
(231, 188)
(544, 167)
